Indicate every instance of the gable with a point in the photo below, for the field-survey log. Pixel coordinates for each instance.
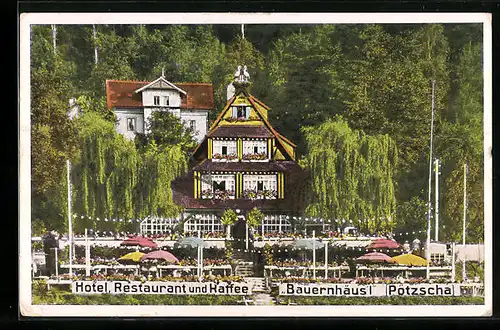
(257, 116)
(160, 83)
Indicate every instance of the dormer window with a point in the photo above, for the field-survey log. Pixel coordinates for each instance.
(241, 112)
(166, 101)
(156, 100)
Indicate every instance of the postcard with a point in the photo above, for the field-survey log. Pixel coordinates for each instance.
(288, 164)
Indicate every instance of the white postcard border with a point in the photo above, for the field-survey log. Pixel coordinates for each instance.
(26, 307)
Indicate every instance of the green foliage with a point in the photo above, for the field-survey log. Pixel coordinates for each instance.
(52, 133)
(166, 128)
(377, 77)
(228, 247)
(268, 253)
(411, 216)
(352, 175)
(254, 218)
(113, 179)
(229, 217)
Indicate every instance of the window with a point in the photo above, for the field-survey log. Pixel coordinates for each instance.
(210, 183)
(156, 100)
(166, 100)
(241, 112)
(192, 125)
(255, 148)
(437, 257)
(260, 186)
(157, 226)
(204, 223)
(221, 185)
(131, 124)
(276, 223)
(224, 147)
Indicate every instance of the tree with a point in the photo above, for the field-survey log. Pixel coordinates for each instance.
(115, 180)
(298, 87)
(254, 218)
(352, 175)
(166, 128)
(160, 166)
(52, 133)
(229, 217)
(462, 143)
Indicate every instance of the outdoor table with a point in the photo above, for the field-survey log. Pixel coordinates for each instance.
(304, 269)
(210, 269)
(185, 268)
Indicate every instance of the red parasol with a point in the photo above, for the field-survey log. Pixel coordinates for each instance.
(160, 255)
(375, 257)
(382, 243)
(140, 241)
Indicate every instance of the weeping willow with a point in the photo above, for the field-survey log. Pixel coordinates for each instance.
(113, 180)
(351, 175)
(159, 167)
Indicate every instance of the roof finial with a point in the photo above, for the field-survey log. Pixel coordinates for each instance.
(163, 72)
(243, 31)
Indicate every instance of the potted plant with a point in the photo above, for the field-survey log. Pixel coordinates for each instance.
(232, 157)
(207, 194)
(250, 193)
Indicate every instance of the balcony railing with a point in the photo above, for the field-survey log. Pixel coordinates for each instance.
(260, 194)
(217, 194)
(256, 157)
(225, 158)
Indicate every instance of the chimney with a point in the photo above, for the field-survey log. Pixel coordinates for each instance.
(230, 91)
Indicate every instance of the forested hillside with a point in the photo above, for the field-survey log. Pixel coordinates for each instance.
(372, 80)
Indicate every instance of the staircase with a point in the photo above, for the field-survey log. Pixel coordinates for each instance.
(243, 268)
(258, 283)
(243, 263)
(260, 293)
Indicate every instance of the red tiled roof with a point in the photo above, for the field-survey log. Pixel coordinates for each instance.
(199, 96)
(240, 131)
(121, 93)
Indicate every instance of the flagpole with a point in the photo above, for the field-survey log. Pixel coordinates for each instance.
(453, 261)
(87, 254)
(326, 260)
(70, 222)
(428, 254)
(314, 254)
(436, 206)
(464, 275)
